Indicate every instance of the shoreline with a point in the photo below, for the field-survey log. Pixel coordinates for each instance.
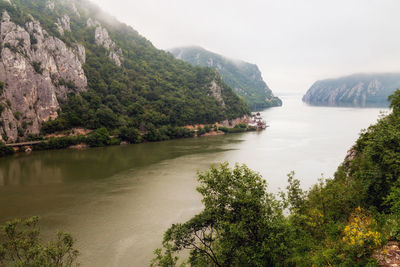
(21, 148)
(82, 138)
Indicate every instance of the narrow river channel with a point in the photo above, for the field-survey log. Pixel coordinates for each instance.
(117, 201)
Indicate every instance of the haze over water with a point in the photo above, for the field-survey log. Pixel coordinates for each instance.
(117, 201)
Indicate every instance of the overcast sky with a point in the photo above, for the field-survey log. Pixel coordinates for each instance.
(293, 42)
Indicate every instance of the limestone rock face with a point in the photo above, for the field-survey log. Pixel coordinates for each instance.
(36, 70)
(103, 39)
(63, 24)
(217, 92)
(50, 5)
(359, 90)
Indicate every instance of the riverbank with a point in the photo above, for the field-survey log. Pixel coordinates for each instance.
(80, 138)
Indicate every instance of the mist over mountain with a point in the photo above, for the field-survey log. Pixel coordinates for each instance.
(243, 77)
(359, 90)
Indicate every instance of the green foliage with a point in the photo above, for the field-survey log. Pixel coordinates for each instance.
(395, 101)
(131, 135)
(37, 66)
(17, 115)
(236, 130)
(1, 88)
(200, 131)
(376, 165)
(52, 126)
(341, 221)
(223, 129)
(20, 245)
(241, 224)
(165, 258)
(245, 78)
(166, 133)
(99, 137)
(60, 143)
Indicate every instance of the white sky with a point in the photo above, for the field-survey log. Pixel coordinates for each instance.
(294, 42)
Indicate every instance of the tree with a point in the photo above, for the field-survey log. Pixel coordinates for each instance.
(241, 224)
(132, 135)
(100, 137)
(20, 245)
(395, 101)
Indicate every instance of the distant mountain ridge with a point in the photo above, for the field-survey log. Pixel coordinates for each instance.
(243, 77)
(360, 90)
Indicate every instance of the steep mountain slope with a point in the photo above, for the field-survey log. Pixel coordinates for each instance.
(64, 64)
(243, 77)
(359, 90)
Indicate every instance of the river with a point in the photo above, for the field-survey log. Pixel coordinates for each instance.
(117, 201)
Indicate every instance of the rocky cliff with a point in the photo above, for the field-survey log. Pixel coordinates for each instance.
(65, 64)
(243, 77)
(360, 90)
(36, 72)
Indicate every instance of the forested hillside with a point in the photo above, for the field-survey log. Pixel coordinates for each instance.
(243, 77)
(65, 63)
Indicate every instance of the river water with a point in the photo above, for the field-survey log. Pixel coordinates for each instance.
(117, 201)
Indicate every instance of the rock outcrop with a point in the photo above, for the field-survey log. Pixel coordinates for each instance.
(50, 5)
(360, 90)
(63, 24)
(216, 91)
(103, 39)
(36, 70)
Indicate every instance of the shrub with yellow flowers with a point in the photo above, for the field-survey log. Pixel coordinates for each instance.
(359, 236)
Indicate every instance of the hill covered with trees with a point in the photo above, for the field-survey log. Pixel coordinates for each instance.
(243, 77)
(65, 64)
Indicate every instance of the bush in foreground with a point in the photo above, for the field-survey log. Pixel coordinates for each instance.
(20, 245)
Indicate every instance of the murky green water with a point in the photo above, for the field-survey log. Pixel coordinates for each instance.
(117, 201)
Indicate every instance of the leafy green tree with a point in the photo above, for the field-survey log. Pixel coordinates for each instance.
(395, 101)
(99, 137)
(132, 135)
(20, 245)
(241, 224)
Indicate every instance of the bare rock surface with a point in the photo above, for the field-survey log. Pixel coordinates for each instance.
(217, 92)
(63, 24)
(389, 256)
(103, 39)
(359, 90)
(35, 69)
